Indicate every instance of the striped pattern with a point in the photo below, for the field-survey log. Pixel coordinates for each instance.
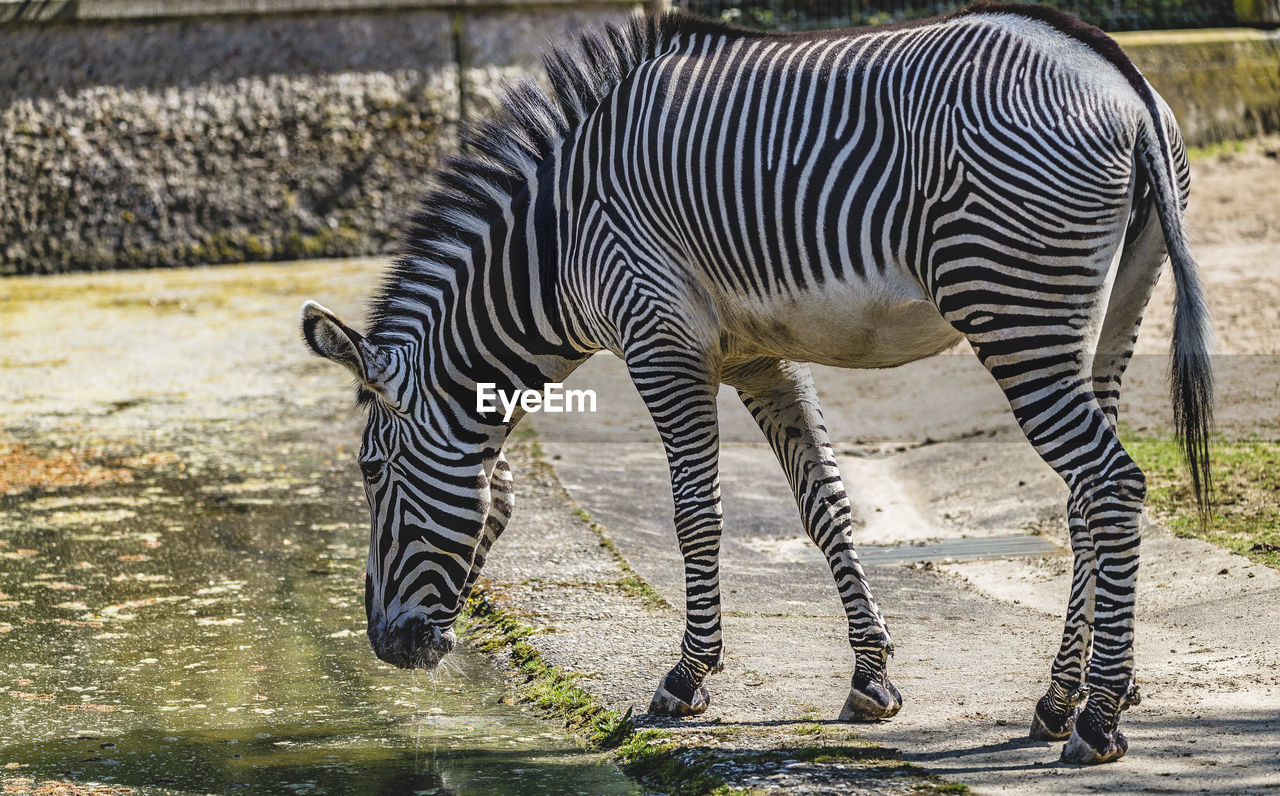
(722, 206)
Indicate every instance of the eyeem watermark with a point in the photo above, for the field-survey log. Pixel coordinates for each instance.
(553, 397)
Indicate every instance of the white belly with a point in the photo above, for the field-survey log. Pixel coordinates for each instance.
(853, 325)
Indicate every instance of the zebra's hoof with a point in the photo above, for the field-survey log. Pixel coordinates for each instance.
(1049, 725)
(1046, 730)
(1080, 752)
(665, 703)
(873, 701)
(1094, 739)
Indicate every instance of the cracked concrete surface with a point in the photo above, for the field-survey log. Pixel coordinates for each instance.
(974, 639)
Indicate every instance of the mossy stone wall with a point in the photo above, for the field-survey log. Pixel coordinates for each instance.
(1221, 84)
(176, 141)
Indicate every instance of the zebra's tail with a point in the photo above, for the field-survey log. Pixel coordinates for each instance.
(1190, 373)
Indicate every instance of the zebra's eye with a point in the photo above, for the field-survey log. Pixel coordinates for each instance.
(372, 469)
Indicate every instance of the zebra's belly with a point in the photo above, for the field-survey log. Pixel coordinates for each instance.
(849, 327)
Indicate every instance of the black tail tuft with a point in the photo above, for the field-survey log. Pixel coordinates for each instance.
(1191, 387)
(1190, 372)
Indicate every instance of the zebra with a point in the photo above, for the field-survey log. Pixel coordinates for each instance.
(716, 205)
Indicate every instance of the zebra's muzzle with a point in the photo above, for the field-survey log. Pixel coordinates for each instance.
(413, 644)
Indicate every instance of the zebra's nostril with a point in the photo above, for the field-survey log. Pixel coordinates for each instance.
(419, 635)
(414, 644)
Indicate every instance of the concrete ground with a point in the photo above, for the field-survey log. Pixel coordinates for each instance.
(974, 638)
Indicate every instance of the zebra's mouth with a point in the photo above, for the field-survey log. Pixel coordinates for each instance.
(415, 644)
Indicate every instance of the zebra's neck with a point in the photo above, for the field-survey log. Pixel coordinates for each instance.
(484, 312)
(476, 295)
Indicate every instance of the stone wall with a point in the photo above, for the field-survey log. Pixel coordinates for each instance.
(174, 141)
(150, 138)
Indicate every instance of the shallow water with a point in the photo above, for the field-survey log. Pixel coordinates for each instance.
(182, 549)
(170, 634)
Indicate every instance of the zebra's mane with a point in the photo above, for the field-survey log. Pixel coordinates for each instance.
(499, 156)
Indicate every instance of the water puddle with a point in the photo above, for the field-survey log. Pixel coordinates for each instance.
(173, 634)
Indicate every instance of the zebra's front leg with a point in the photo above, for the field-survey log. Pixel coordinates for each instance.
(784, 402)
(684, 411)
(1055, 713)
(683, 692)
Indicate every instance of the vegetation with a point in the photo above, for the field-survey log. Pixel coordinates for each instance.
(1245, 515)
(1216, 150)
(651, 755)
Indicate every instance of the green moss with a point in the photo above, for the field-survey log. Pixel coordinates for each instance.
(636, 586)
(530, 437)
(653, 756)
(1245, 515)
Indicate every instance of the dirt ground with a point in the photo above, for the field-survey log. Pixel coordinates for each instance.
(1234, 223)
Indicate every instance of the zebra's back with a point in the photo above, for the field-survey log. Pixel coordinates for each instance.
(813, 186)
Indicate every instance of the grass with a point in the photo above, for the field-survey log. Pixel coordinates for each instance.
(1245, 515)
(1219, 148)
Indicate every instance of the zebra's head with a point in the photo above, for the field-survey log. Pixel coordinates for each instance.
(429, 498)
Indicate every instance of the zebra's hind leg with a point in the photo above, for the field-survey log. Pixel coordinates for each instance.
(1068, 428)
(1064, 422)
(1055, 713)
(784, 402)
(683, 405)
(1137, 273)
(1041, 361)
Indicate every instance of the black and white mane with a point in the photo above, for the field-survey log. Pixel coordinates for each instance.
(499, 156)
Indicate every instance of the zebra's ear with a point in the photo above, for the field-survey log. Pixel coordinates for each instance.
(332, 339)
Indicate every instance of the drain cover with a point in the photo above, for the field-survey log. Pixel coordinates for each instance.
(959, 550)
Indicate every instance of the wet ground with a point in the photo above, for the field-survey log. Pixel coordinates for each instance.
(182, 546)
